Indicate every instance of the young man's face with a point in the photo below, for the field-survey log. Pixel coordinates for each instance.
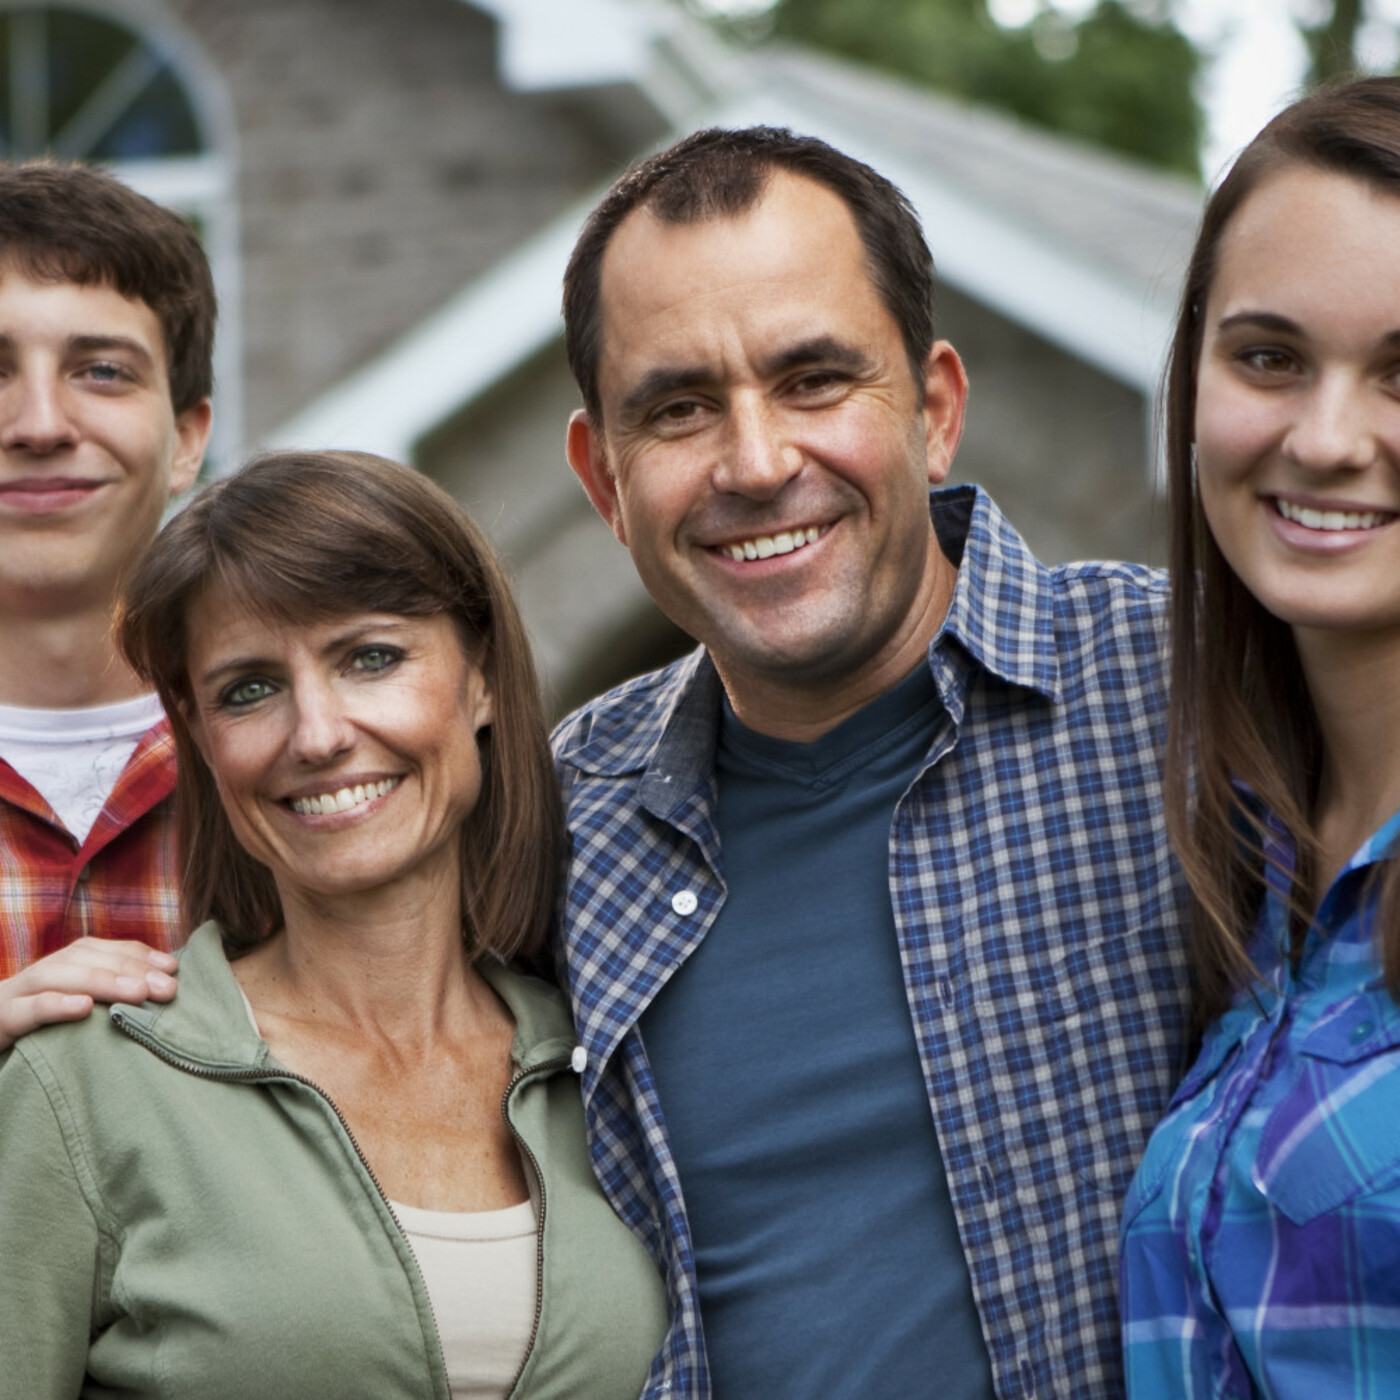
(764, 450)
(91, 448)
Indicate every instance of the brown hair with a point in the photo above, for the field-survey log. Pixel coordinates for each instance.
(70, 223)
(720, 174)
(315, 535)
(1240, 712)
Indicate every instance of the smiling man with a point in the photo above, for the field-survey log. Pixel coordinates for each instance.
(106, 334)
(870, 925)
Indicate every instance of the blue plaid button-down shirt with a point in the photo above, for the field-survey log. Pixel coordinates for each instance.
(1261, 1238)
(1038, 915)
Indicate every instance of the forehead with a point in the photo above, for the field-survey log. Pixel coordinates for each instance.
(1305, 238)
(40, 310)
(790, 264)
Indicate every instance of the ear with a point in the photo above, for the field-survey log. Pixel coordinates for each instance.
(481, 704)
(588, 457)
(945, 403)
(191, 438)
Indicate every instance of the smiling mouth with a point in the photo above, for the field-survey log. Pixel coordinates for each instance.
(1332, 520)
(766, 546)
(342, 800)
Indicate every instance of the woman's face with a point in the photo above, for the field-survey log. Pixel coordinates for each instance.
(1298, 401)
(345, 751)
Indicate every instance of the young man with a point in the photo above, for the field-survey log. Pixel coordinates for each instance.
(871, 926)
(106, 335)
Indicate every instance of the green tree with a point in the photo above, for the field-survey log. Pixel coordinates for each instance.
(1332, 43)
(1122, 76)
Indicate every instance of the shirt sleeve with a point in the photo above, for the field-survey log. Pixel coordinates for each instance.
(49, 1244)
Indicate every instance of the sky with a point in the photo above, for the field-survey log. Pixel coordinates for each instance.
(1256, 57)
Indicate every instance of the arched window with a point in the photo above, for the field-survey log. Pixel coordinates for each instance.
(119, 84)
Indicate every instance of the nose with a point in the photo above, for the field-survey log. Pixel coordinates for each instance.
(33, 417)
(321, 727)
(756, 459)
(1332, 430)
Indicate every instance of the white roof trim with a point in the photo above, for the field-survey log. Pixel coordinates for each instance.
(498, 322)
(449, 360)
(547, 44)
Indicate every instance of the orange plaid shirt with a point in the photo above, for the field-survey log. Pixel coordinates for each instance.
(120, 883)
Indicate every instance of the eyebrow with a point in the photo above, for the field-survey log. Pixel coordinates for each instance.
(1263, 320)
(95, 344)
(671, 379)
(1282, 325)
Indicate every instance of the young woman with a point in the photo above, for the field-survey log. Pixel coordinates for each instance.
(1261, 1239)
(348, 1158)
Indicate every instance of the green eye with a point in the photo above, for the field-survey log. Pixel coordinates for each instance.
(376, 658)
(245, 692)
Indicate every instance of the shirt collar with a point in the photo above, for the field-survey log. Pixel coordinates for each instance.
(1001, 616)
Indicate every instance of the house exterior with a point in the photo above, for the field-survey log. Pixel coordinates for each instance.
(389, 192)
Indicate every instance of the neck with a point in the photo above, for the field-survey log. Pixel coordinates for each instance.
(69, 662)
(801, 709)
(1355, 688)
(392, 960)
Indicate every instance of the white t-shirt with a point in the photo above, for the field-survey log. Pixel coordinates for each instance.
(73, 758)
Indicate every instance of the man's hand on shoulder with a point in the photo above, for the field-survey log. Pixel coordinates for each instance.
(65, 985)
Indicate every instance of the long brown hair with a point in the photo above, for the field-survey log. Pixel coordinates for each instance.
(1243, 735)
(298, 536)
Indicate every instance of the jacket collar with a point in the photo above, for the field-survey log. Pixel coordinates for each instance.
(207, 1023)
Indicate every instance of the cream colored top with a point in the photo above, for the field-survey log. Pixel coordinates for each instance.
(481, 1272)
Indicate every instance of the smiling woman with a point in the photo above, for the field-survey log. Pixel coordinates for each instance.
(349, 1158)
(1261, 1237)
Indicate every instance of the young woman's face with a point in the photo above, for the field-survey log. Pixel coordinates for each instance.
(1298, 401)
(345, 751)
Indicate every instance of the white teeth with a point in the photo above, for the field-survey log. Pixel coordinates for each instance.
(341, 800)
(766, 546)
(1332, 519)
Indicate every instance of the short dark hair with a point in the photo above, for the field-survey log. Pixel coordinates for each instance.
(719, 174)
(71, 223)
(313, 535)
(1240, 711)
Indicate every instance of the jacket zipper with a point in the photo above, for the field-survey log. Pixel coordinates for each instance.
(544, 1067)
(251, 1076)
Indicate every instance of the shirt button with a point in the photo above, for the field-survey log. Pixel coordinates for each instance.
(578, 1061)
(685, 902)
(1363, 1029)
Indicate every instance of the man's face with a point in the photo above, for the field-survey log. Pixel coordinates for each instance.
(765, 451)
(91, 448)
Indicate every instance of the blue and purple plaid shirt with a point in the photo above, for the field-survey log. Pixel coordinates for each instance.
(1261, 1237)
(1038, 912)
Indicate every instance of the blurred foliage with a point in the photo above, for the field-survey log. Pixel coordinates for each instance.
(1332, 43)
(1120, 77)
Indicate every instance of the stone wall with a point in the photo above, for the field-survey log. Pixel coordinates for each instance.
(381, 166)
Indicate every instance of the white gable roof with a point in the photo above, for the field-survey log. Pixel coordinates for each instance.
(1078, 246)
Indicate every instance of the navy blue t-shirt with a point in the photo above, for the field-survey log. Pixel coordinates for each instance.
(784, 1055)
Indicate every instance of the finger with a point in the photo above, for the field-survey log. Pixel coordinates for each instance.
(98, 981)
(21, 1015)
(114, 951)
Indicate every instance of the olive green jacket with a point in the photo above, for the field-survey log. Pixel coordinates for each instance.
(180, 1216)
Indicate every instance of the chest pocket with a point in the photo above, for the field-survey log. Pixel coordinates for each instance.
(1168, 1143)
(1336, 1134)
